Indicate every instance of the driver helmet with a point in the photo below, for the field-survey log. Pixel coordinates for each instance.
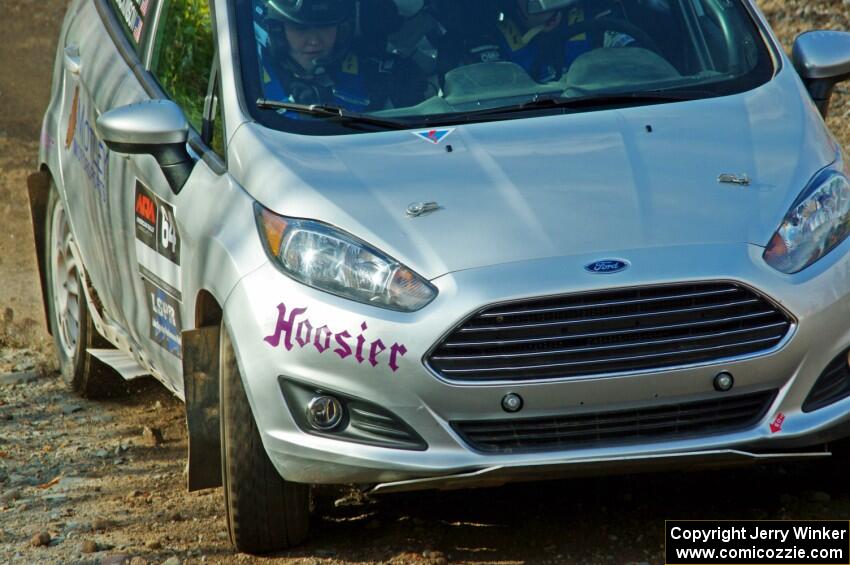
(309, 13)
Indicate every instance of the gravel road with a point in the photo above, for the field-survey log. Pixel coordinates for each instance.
(85, 482)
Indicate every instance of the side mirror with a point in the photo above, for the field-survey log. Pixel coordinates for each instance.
(822, 58)
(152, 127)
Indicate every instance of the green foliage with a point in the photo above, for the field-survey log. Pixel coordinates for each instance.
(217, 141)
(184, 54)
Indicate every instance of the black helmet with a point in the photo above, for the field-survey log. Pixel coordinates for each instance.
(313, 13)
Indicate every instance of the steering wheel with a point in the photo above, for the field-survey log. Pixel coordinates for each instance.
(730, 35)
(601, 25)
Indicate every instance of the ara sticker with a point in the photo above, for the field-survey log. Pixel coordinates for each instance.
(164, 314)
(290, 331)
(434, 136)
(776, 426)
(157, 241)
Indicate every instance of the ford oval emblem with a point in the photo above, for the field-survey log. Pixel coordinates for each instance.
(607, 266)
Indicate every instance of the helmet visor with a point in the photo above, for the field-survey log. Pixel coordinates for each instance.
(311, 13)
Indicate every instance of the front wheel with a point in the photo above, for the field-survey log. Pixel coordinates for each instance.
(67, 312)
(264, 512)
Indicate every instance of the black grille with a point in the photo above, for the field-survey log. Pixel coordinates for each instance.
(832, 385)
(673, 421)
(610, 332)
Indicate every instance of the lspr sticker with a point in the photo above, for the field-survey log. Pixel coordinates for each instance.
(164, 312)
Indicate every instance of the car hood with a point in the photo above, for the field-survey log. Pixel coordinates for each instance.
(593, 184)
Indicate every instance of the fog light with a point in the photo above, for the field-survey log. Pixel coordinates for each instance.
(723, 382)
(324, 413)
(512, 403)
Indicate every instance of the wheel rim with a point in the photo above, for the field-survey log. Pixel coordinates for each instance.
(66, 282)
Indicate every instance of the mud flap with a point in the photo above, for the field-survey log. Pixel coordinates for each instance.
(200, 377)
(38, 188)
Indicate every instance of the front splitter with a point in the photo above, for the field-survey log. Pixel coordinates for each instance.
(502, 474)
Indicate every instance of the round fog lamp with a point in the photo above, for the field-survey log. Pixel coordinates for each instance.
(723, 382)
(324, 413)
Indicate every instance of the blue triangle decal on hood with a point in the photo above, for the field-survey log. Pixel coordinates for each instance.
(434, 136)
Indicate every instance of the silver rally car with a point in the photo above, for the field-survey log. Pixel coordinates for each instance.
(448, 243)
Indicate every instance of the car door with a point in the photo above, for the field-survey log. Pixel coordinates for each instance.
(96, 71)
(154, 241)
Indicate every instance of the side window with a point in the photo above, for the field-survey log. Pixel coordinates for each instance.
(213, 127)
(134, 16)
(217, 141)
(183, 55)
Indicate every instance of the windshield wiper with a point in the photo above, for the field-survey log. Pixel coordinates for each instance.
(577, 103)
(331, 113)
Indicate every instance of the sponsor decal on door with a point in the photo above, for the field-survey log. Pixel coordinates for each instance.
(86, 147)
(164, 312)
(157, 241)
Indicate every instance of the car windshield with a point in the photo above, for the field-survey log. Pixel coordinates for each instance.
(344, 66)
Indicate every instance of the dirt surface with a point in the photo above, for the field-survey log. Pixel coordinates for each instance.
(789, 18)
(86, 482)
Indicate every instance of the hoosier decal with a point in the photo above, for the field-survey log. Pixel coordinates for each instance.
(296, 330)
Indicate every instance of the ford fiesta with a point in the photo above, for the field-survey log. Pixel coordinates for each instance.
(452, 243)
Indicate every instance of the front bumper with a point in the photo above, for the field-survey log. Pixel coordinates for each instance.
(266, 311)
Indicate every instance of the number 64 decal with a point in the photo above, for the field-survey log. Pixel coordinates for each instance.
(169, 236)
(155, 224)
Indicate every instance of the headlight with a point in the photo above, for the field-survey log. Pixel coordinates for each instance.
(818, 221)
(331, 260)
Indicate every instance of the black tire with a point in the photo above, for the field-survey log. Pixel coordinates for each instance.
(264, 512)
(83, 373)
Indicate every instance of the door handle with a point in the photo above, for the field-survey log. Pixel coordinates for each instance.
(72, 59)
